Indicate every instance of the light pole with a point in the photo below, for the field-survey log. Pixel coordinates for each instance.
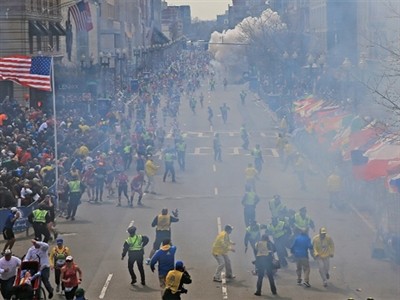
(136, 54)
(121, 57)
(105, 59)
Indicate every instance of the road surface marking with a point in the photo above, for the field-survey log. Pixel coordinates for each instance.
(104, 289)
(219, 224)
(200, 134)
(196, 151)
(274, 152)
(215, 191)
(214, 168)
(236, 151)
(368, 223)
(68, 234)
(231, 133)
(263, 134)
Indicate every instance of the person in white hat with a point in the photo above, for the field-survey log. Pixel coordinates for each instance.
(8, 272)
(324, 249)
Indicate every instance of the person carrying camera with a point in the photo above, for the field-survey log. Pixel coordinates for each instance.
(174, 282)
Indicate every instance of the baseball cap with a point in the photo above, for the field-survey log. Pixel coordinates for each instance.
(179, 264)
(228, 227)
(14, 209)
(69, 258)
(322, 230)
(59, 241)
(8, 252)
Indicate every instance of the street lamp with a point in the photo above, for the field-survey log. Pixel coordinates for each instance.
(105, 59)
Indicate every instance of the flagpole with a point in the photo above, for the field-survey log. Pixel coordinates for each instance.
(55, 123)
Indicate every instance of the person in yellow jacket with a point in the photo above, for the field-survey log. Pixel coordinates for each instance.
(58, 255)
(174, 282)
(151, 170)
(324, 249)
(221, 247)
(334, 185)
(251, 175)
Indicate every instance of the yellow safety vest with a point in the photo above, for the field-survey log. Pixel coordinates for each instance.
(275, 209)
(180, 147)
(173, 280)
(39, 215)
(74, 186)
(301, 223)
(250, 198)
(278, 230)
(134, 242)
(262, 248)
(169, 157)
(163, 222)
(254, 234)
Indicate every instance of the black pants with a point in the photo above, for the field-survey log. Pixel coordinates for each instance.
(169, 168)
(57, 277)
(249, 214)
(264, 266)
(73, 203)
(41, 229)
(70, 295)
(6, 286)
(45, 276)
(136, 256)
(181, 160)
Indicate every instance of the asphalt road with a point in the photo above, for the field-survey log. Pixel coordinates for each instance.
(207, 192)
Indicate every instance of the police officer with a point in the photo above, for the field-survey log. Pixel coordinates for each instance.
(258, 158)
(253, 235)
(264, 255)
(249, 202)
(169, 158)
(180, 147)
(279, 231)
(276, 207)
(302, 222)
(75, 188)
(134, 245)
(39, 218)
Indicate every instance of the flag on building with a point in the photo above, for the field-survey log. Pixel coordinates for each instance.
(81, 14)
(28, 71)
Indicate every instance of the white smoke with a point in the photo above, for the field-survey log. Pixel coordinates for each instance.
(229, 47)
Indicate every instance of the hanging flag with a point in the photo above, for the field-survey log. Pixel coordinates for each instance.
(28, 71)
(81, 14)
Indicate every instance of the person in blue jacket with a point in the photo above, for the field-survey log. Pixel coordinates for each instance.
(165, 257)
(300, 248)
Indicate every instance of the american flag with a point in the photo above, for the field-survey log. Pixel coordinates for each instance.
(28, 71)
(81, 14)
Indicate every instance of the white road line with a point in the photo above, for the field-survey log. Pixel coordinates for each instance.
(215, 191)
(211, 128)
(274, 152)
(263, 134)
(231, 133)
(105, 286)
(214, 168)
(68, 234)
(219, 224)
(196, 150)
(200, 134)
(236, 151)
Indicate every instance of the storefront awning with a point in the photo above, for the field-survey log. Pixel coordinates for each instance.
(56, 29)
(38, 28)
(43, 28)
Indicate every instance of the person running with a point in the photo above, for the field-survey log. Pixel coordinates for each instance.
(137, 187)
(210, 115)
(39, 218)
(300, 248)
(180, 147)
(134, 246)
(8, 232)
(40, 252)
(174, 282)
(217, 147)
(253, 235)
(162, 222)
(122, 184)
(280, 232)
(249, 201)
(165, 258)
(264, 255)
(251, 176)
(201, 99)
(151, 171)
(8, 271)
(71, 276)
(243, 95)
(89, 180)
(169, 158)
(258, 158)
(58, 255)
(224, 112)
(245, 137)
(324, 249)
(220, 249)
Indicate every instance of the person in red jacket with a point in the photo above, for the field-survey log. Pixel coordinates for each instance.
(71, 276)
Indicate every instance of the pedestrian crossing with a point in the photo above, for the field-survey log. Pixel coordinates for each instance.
(222, 134)
(234, 151)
